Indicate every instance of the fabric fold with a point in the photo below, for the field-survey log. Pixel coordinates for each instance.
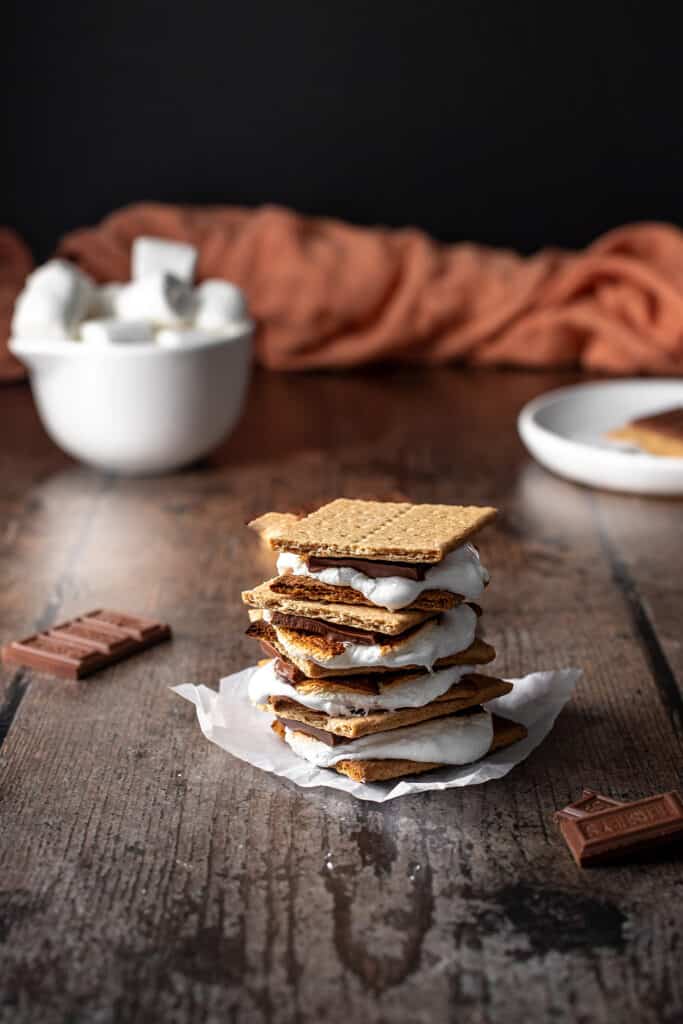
(330, 295)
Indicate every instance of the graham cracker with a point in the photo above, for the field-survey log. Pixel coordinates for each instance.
(313, 590)
(479, 652)
(661, 434)
(379, 620)
(505, 733)
(386, 530)
(270, 525)
(472, 690)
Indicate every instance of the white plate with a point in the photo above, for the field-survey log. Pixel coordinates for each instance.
(565, 431)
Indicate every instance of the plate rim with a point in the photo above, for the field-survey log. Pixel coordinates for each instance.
(527, 421)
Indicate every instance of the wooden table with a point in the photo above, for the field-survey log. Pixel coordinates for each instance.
(146, 875)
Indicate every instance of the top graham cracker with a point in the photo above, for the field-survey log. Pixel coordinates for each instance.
(386, 530)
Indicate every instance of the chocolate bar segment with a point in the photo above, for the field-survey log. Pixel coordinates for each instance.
(81, 646)
(328, 738)
(375, 569)
(588, 803)
(629, 828)
(118, 624)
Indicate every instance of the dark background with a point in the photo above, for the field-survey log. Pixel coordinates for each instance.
(520, 124)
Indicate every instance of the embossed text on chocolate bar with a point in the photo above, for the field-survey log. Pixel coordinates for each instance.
(631, 827)
(81, 646)
(588, 803)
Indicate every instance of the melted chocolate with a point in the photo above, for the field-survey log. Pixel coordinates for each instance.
(328, 630)
(369, 567)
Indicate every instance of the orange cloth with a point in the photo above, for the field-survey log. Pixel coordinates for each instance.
(15, 264)
(326, 294)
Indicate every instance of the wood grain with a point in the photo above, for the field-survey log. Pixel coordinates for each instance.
(147, 876)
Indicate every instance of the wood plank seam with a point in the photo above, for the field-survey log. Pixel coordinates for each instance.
(662, 673)
(15, 693)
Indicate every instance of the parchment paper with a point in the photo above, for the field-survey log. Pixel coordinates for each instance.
(228, 719)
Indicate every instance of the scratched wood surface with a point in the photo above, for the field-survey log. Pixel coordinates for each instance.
(147, 876)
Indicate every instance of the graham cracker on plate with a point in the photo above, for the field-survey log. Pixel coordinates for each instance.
(661, 434)
(263, 631)
(378, 620)
(384, 530)
(505, 733)
(314, 590)
(469, 692)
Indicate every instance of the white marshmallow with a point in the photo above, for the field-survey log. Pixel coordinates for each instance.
(170, 338)
(55, 299)
(158, 255)
(219, 303)
(160, 297)
(104, 300)
(116, 332)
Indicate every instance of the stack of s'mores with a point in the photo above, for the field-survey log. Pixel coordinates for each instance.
(373, 640)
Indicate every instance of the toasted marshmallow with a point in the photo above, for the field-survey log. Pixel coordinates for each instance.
(218, 304)
(116, 332)
(160, 297)
(55, 299)
(159, 255)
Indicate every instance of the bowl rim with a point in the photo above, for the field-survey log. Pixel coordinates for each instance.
(74, 348)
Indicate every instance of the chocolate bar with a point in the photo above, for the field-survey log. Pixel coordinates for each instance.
(628, 828)
(84, 645)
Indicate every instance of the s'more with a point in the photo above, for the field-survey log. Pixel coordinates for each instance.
(373, 642)
(658, 434)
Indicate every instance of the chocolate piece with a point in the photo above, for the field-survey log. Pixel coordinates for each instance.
(628, 828)
(77, 648)
(286, 670)
(319, 734)
(331, 630)
(668, 422)
(588, 803)
(369, 567)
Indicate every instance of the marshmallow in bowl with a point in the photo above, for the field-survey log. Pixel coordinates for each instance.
(219, 303)
(55, 299)
(104, 299)
(116, 332)
(170, 337)
(58, 299)
(159, 255)
(160, 297)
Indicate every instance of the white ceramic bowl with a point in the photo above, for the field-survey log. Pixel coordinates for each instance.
(565, 431)
(139, 408)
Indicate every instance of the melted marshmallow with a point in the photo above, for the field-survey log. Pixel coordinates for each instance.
(413, 693)
(460, 572)
(457, 739)
(451, 633)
